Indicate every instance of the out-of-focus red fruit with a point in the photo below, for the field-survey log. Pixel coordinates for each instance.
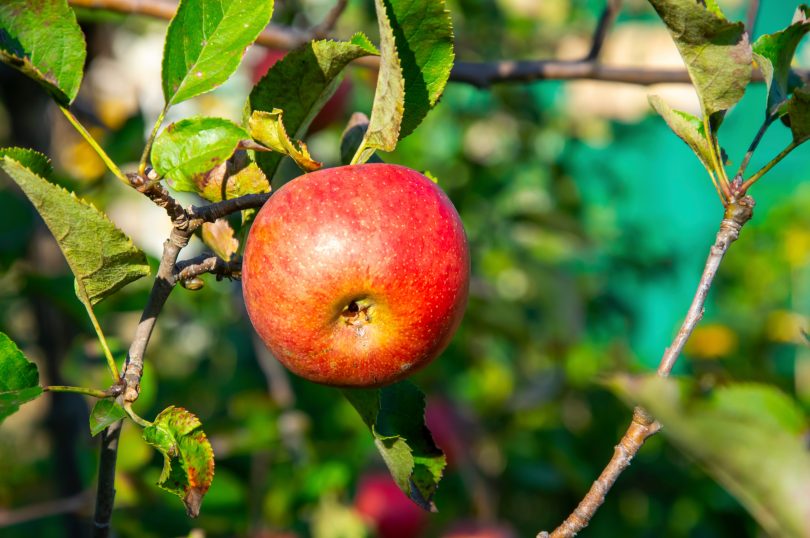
(445, 425)
(392, 514)
(474, 529)
(334, 109)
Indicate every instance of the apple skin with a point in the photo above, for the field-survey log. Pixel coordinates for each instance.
(389, 511)
(356, 276)
(333, 110)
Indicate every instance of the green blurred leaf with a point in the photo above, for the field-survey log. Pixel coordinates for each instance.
(396, 417)
(798, 110)
(300, 84)
(187, 150)
(774, 53)
(716, 52)
(747, 437)
(43, 40)
(687, 127)
(188, 460)
(105, 413)
(268, 128)
(102, 258)
(19, 378)
(205, 43)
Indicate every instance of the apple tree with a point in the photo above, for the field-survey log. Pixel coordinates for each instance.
(357, 271)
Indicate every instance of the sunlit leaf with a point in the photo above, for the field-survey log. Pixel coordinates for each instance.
(219, 237)
(774, 53)
(268, 129)
(102, 258)
(19, 378)
(105, 413)
(186, 151)
(43, 40)
(396, 417)
(748, 437)
(300, 84)
(716, 52)
(188, 460)
(205, 43)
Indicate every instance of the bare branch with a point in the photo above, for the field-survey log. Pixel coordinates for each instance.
(325, 28)
(105, 494)
(606, 20)
(641, 427)
(212, 212)
(208, 264)
(161, 197)
(737, 213)
(56, 507)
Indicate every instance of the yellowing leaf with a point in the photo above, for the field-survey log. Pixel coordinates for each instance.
(268, 129)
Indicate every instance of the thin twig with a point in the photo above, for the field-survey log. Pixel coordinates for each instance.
(325, 28)
(751, 18)
(737, 213)
(42, 510)
(769, 119)
(105, 494)
(215, 265)
(762, 171)
(95, 393)
(212, 212)
(609, 14)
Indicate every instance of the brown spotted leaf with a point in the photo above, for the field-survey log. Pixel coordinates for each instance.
(188, 460)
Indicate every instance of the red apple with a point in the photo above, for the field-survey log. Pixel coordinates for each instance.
(356, 276)
(474, 529)
(389, 511)
(333, 110)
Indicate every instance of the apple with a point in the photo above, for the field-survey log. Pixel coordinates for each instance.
(356, 276)
(475, 529)
(388, 511)
(333, 110)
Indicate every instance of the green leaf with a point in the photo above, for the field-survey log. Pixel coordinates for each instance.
(687, 127)
(774, 53)
(301, 83)
(188, 460)
(105, 413)
(747, 437)
(205, 43)
(798, 110)
(416, 44)
(102, 258)
(716, 52)
(19, 378)
(43, 40)
(396, 417)
(267, 128)
(187, 150)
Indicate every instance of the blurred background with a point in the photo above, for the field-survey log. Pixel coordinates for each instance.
(589, 223)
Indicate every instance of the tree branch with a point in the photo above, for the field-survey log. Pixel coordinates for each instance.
(606, 20)
(479, 74)
(212, 212)
(325, 28)
(643, 425)
(56, 507)
(215, 265)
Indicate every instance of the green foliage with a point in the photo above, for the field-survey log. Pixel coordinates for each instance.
(749, 437)
(688, 128)
(798, 110)
(102, 258)
(774, 53)
(395, 415)
(43, 40)
(188, 460)
(105, 413)
(19, 378)
(716, 52)
(205, 43)
(300, 83)
(186, 151)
